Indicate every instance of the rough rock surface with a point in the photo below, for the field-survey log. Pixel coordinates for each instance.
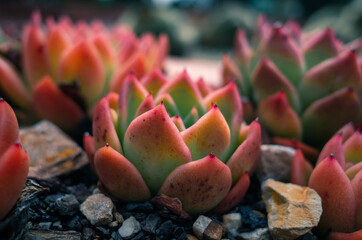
(292, 210)
(98, 209)
(258, 234)
(51, 151)
(206, 228)
(130, 227)
(275, 162)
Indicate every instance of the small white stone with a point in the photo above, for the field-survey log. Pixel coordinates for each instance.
(129, 227)
(258, 234)
(232, 222)
(204, 227)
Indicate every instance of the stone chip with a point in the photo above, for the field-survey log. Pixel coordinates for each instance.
(293, 210)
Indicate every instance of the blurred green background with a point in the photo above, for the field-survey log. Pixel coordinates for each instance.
(194, 27)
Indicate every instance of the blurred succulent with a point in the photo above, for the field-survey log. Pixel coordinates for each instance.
(305, 86)
(337, 178)
(67, 68)
(14, 161)
(173, 145)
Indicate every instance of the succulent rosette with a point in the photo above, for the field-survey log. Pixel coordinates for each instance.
(14, 161)
(66, 67)
(161, 136)
(304, 86)
(337, 177)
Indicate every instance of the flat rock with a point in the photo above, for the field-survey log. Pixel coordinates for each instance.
(293, 210)
(98, 209)
(129, 228)
(51, 151)
(205, 228)
(275, 162)
(37, 234)
(257, 234)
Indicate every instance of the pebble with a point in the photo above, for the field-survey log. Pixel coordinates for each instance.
(165, 230)
(66, 205)
(206, 228)
(139, 207)
(80, 191)
(232, 222)
(251, 218)
(293, 210)
(151, 223)
(129, 228)
(113, 224)
(119, 218)
(45, 225)
(98, 209)
(275, 162)
(258, 234)
(88, 234)
(37, 234)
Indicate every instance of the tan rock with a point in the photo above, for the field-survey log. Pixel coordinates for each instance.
(51, 151)
(275, 162)
(292, 210)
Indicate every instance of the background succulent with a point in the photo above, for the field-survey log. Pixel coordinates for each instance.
(67, 67)
(304, 86)
(177, 143)
(14, 161)
(337, 178)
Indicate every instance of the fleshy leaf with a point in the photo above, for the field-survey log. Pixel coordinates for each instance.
(178, 122)
(353, 170)
(200, 185)
(119, 176)
(330, 76)
(322, 118)
(333, 146)
(137, 64)
(12, 86)
(185, 94)
(146, 105)
(242, 51)
(300, 170)
(278, 117)
(228, 100)
(338, 200)
(105, 50)
(268, 80)
(203, 87)
(34, 53)
(169, 104)
(14, 167)
(246, 156)
(9, 128)
(284, 53)
(210, 134)
(234, 196)
(52, 104)
(353, 148)
(57, 42)
(153, 81)
(131, 96)
(83, 62)
(154, 145)
(347, 131)
(357, 188)
(357, 235)
(104, 131)
(230, 72)
(192, 117)
(320, 47)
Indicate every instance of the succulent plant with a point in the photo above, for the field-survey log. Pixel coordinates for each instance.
(305, 86)
(67, 68)
(14, 161)
(337, 178)
(176, 143)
